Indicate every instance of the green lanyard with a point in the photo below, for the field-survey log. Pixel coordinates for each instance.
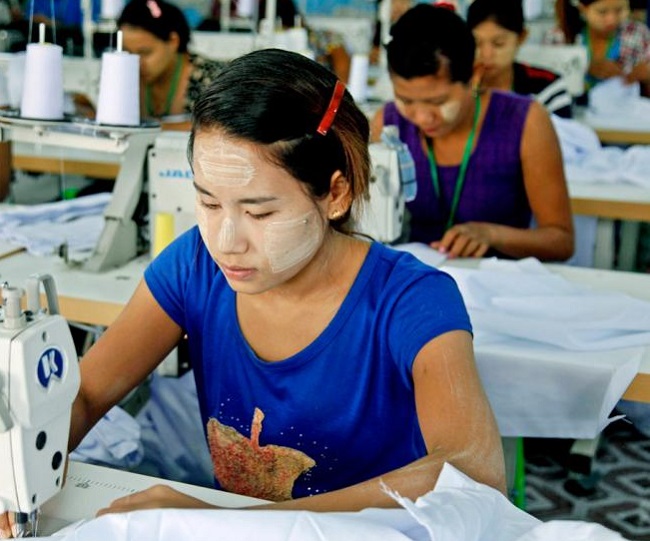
(172, 90)
(590, 50)
(462, 170)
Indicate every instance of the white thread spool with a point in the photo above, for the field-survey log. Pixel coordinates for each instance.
(43, 70)
(111, 9)
(119, 95)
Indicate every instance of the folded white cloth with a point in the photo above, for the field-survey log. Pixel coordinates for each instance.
(576, 139)
(113, 441)
(43, 228)
(587, 161)
(538, 335)
(523, 300)
(44, 238)
(58, 211)
(616, 105)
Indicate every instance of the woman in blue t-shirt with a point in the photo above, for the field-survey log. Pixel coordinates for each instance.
(324, 363)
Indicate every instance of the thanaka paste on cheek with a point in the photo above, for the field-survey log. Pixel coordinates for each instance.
(291, 242)
(219, 162)
(449, 111)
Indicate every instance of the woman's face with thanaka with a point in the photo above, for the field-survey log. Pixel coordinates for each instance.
(257, 221)
(432, 102)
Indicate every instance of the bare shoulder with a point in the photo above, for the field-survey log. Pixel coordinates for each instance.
(538, 128)
(537, 115)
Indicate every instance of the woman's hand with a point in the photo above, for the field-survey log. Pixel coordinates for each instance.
(640, 73)
(471, 239)
(156, 497)
(6, 523)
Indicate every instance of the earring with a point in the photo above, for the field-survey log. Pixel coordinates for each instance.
(335, 215)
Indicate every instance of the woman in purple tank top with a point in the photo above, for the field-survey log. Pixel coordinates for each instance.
(488, 165)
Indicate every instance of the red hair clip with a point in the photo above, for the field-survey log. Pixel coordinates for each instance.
(445, 5)
(154, 9)
(332, 108)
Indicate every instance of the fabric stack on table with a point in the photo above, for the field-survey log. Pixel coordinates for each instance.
(43, 228)
(554, 357)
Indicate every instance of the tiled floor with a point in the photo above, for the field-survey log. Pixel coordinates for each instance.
(616, 494)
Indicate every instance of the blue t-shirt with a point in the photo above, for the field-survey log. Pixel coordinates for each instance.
(340, 411)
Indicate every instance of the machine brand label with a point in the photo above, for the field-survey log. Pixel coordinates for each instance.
(50, 365)
(176, 173)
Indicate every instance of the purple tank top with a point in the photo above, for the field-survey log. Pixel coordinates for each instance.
(494, 185)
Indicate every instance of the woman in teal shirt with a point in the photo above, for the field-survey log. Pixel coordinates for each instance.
(617, 46)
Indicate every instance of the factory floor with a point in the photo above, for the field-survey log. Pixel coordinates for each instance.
(615, 492)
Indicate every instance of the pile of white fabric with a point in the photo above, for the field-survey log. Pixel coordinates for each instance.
(585, 159)
(457, 509)
(538, 335)
(524, 300)
(42, 229)
(616, 105)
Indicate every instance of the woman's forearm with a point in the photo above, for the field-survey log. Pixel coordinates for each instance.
(550, 243)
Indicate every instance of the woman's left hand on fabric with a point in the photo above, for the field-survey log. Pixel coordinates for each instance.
(639, 73)
(471, 239)
(156, 497)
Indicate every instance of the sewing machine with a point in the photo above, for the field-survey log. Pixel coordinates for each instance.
(171, 192)
(382, 216)
(570, 61)
(39, 379)
(118, 242)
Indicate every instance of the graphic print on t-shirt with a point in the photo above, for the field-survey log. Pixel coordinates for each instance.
(242, 466)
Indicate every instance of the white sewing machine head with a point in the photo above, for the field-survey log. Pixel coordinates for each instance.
(39, 380)
(382, 216)
(171, 190)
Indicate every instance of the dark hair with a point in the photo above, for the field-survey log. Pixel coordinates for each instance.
(569, 18)
(285, 10)
(159, 18)
(508, 14)
(424, 37)
(278, 98)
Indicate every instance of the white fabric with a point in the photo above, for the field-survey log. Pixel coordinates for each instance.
(554, 357)
(523, 300)
(585, 233)
(113, 441)
(587, 161)
(457, 509)
(423, 252)
(536, 390)
(44, 238)
(616, 105)
(571, 530)
(59, 211)
(42, 229)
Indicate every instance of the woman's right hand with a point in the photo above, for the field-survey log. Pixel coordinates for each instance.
(5, 526)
